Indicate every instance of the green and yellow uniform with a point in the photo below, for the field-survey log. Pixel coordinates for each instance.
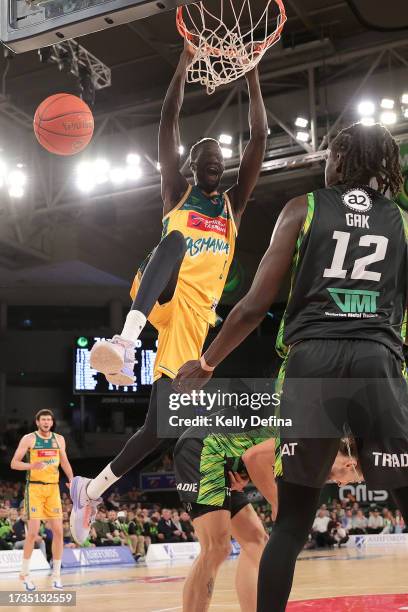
(42, 495)
(207, 223)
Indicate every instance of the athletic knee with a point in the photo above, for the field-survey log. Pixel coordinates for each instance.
(215, 550)
(257, 541)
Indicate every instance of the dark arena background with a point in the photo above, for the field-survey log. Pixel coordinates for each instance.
(74, 229)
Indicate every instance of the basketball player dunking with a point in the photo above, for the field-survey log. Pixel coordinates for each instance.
(345, 321)
(178, 288)
(45, 451)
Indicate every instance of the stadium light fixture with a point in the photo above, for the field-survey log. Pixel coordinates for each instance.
(133, 159)
(225, 139)
(16, 178)
(85, 183)
(388, 118)
(368, 121)
(301, 122)
(404, 98)
(117, 175)
(100, 171)
(226, 152)
(133, 173)
(181, 149)
(16, 191)
(387, 103)
(406, 113)
(366, 108)
(158, 166)
(303, 136)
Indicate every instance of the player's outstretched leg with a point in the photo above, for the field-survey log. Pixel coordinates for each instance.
(86, 492)
(115, 358)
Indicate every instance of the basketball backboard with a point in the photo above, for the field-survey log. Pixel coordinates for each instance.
(30, 24)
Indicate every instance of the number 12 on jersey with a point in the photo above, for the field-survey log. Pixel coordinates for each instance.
(359, 271)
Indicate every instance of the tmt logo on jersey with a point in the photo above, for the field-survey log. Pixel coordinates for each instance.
(358, 200)
(355, 303)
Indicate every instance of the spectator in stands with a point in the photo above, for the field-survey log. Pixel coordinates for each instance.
(66, 534)
(389, 521)
(167, 531)
(359, 524)
(175, 517)
(320, 531)
(399, 523)
(338, 533)
(152, 530)
(136, 531)
(6, 530)
(347, 521)
(187, 527)
(134, 494)
(375, 522)
(112, 502)
(101, 533)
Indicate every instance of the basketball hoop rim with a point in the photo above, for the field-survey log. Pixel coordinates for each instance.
(260, 48)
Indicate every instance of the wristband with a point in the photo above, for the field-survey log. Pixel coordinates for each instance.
(205, 366)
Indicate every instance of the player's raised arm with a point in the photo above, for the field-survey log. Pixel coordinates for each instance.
(254, 153)
(17, 462)
(250, 311)
(174, 184)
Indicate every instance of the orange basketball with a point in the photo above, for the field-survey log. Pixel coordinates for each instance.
(63, 124)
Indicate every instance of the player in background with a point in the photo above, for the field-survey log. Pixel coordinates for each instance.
(179, 287)
(345, 321)
(221, 509)
(45, 452)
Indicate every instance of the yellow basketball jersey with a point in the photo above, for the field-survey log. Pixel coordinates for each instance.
(208, 226)
(45, 450)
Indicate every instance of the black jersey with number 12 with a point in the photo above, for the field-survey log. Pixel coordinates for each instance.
(349, 277)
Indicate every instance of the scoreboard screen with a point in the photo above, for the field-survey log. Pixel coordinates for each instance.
(89, 381)
(31, 24)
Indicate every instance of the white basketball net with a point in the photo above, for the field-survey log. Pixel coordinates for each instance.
(231, 41)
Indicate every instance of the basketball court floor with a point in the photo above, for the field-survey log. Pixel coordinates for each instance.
(346, 580)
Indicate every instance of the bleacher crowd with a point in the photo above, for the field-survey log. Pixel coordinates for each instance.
(125, 520)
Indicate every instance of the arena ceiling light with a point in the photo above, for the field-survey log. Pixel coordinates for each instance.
(16, 181)
(133, 159)
(225, 139)
(388, 118)
(404, 98)
(387, 103)
(301, 122)
(226, 152)
(406, 113)
(85, 180)
(118, 175)
(100, 171)
(16, 191)
(133, 173)
(368, 121)
(366, 108)
(181, 149)
(303, 136)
